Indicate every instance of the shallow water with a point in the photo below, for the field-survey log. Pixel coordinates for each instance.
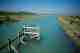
(53, 38)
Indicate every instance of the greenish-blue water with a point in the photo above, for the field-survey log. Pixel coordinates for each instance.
(53, 38)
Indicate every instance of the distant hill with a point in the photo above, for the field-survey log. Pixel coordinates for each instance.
(7, 17)
(16, 13)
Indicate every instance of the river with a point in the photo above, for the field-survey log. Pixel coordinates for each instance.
(53, 37)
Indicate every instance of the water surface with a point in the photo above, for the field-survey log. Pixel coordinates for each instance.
(53, 38)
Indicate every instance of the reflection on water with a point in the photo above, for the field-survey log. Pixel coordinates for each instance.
(52, 40)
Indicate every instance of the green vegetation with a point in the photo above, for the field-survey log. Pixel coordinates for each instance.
(71, 25)
(16, 13)
(6, 17)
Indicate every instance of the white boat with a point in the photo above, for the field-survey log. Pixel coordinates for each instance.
(34, 32)
(29, 33)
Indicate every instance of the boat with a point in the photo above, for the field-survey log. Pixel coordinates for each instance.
(32, 31)
(28, 33)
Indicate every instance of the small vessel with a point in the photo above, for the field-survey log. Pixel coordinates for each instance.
(32, 31)
(28, 33)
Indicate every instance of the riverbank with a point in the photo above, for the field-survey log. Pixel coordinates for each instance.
(72, 28)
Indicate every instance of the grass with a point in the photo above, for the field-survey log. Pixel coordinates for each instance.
(71, 25)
